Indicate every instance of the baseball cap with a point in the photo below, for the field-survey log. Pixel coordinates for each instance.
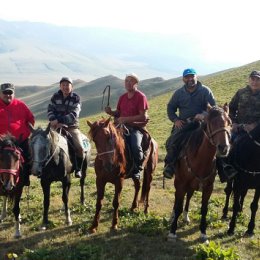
(255, 73)
(189, 71)
(66, 79)
(7, 86)
(132, 75)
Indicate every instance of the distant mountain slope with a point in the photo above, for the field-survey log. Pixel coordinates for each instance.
(38, 53)
(223, 83)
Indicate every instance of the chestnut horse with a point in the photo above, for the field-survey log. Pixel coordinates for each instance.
(111, 166)
(11, 183)
(196, 170)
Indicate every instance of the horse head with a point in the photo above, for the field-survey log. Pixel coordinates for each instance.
(10, 163)
(109, 144)
(40, 149)
(218, 129)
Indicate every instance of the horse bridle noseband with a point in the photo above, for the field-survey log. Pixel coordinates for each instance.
(20, 160)
(211, 134)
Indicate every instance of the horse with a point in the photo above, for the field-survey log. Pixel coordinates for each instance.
(51, 162)
(196, 169)
(245, 159)
(111, 166)
(229, 191)
(11, 182)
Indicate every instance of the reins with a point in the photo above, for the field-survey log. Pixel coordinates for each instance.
(108, 96)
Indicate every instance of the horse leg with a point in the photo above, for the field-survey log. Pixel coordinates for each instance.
(206, 193)
(82, 182)
(137, 186)
(178, 208)
(228, 191)
(16, 211)
(254, 207)
(236, 207)
(65, 198)
(241, 202)
(100, 196)
(4, 209)
(46, 185)
(187, 205)
(146, 187)
(118, 190)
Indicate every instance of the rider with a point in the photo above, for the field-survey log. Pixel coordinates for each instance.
(15, 119)
(191, 100)
(132, 110)
(244, 110)
(64, 109)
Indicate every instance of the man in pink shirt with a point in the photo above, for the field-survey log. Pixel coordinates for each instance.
(131, 111)
(15, 118)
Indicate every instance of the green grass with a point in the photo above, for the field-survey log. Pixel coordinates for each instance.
(139, 237)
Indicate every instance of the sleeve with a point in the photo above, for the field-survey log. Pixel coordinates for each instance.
(73, 114)
(172, 107)
(51, 112)
(210, 98)
(233, 107)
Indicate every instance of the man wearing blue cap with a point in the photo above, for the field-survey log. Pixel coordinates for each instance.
(191, 101)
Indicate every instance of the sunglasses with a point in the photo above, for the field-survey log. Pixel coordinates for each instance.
(7, 92)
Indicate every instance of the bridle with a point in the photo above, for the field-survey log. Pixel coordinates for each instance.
(15, 171)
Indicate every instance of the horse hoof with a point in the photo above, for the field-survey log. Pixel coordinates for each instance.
(230, 232)
(42, 228)
(92, 230)
(249, 234)
(69, 223)
(204, 239)
(171, 237)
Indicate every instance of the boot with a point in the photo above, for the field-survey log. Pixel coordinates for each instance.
(169, 170)
(78, 165)
(170, 162)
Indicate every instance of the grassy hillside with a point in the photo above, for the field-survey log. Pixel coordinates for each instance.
(139, 236)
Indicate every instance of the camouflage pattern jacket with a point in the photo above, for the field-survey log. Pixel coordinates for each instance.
(244, 107)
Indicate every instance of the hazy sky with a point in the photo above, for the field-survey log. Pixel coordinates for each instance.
(227, 30)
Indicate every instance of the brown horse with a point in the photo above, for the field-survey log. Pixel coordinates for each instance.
(111, 166)
(11, 182)
(196, 170)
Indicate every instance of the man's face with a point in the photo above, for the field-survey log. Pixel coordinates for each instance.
(254, 83)
(130, 84)
(7, 96)
(65, 88)
(190, 80)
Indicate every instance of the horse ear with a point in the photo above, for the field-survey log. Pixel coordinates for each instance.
(89, 124)
(208, 107)
(47, 130)
(226, 108)
(31, 128)
(107, 122)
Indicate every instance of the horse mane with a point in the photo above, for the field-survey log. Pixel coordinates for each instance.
(190, 136)
(8, 140)
(119, 157)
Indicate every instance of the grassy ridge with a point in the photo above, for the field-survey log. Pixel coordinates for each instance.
(140, 237)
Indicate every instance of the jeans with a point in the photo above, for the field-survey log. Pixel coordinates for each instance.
(134, 140)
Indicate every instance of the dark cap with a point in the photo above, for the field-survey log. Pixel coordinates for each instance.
(7, 86)
(66, 79)
(255, 73)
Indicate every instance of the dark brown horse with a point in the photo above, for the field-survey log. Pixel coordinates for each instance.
(245, 158)
(11, 182)
(196, 168)
(111, 166)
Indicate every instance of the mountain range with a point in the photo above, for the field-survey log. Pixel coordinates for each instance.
(39, 54)
(91, 93)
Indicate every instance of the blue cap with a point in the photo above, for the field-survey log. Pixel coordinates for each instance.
(189, 71)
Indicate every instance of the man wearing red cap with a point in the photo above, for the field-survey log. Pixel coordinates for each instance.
(15, 119)
(131, 111)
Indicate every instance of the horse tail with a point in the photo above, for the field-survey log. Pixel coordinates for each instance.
(149, 168)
